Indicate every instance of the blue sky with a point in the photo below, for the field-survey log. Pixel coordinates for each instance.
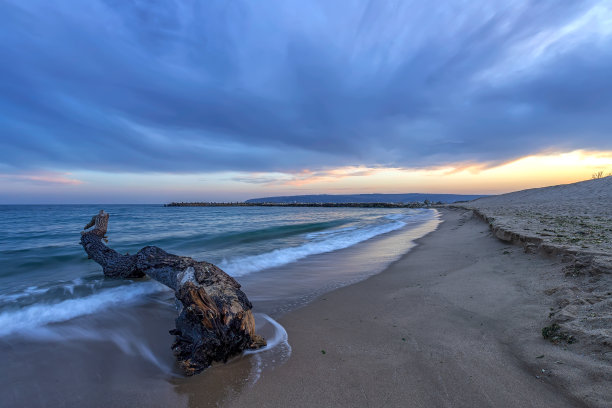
(230, 99)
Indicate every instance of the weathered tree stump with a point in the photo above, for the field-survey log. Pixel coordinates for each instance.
(215, 320)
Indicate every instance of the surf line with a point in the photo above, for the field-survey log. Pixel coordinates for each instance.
(280, 337)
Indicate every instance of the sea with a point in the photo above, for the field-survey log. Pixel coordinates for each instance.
(69, 336)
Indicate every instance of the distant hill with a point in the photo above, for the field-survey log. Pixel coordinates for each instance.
(366, 198)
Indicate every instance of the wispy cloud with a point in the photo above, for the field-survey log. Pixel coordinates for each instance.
(309, 177)
(257, 178)
(303, 177)
(42, 178)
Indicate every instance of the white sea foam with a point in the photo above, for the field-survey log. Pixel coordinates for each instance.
(30, 291)
(319, 244)
(41, 314)
(277, 349)
(124, 340)
(280, 336)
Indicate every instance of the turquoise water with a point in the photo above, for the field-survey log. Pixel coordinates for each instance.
(282, 256)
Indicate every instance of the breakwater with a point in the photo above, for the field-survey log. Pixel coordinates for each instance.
(350, 205)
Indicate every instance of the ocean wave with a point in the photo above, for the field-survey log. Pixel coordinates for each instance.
(60, 289)
(315, 235)
(263, 234)
(41, 314)
(254, 263)
(42, 259)
(25, 293)
(397, 216)
(35, 260)
(186, 242)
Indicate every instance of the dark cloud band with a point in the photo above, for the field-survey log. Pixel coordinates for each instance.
(189, 86)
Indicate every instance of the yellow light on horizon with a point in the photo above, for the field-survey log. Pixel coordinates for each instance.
(461, 178)
(526, 172)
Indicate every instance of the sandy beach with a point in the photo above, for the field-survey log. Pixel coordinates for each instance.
(456, 322)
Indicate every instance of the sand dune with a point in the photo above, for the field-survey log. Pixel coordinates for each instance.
(572, 223)
(574, 220)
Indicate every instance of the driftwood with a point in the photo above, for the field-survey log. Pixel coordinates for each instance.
(215, 320)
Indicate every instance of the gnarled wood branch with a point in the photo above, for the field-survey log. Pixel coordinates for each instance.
(215, 320)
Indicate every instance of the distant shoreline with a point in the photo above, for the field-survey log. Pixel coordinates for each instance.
(355, 205)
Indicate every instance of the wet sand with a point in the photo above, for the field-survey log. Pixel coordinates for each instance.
(456, 322)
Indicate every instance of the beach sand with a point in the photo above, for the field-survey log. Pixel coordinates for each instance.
(573, 223)
(573, 220)
(456, 322)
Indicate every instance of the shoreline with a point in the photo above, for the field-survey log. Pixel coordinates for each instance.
(121, 355)
(455, 321)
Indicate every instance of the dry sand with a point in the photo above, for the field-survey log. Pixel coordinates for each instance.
(455, 323)
(572, 222)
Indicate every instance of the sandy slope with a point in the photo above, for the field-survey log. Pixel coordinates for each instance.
(454, 323)
(575, 218)
(573, 223)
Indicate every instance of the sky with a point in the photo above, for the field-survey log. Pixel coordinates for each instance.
(136, 101)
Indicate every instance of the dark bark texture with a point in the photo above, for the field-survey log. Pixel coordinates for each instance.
(215, 320)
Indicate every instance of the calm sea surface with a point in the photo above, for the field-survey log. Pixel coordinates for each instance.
(53, 298)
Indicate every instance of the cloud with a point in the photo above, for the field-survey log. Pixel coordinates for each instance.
(42, 179)
(309, 177)
(303, 177)
(269, 86)
(256, 178)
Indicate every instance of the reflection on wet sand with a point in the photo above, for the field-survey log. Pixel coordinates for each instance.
(222, 382)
